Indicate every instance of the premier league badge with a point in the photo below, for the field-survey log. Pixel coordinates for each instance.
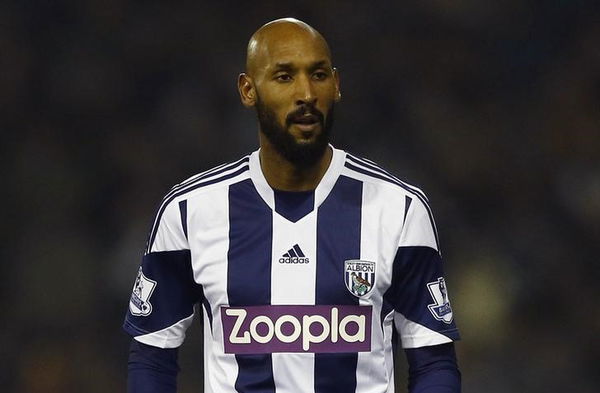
(140, 305)
(440, 309)
(359, 276)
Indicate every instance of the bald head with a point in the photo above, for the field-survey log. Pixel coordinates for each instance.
(275, 34)
(291, 82)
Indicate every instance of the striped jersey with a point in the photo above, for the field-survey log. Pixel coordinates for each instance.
(299, 291)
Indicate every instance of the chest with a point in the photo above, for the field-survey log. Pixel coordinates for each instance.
(338, 253)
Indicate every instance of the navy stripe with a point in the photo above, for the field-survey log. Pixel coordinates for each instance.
(338, 239)
(184, 191)
(174, 293)
(373, 166)
(293, 205)
(407, 202)
(402, 185)
(287, 255)
(299, 251)
(249, 274)
(292, 253)
(183, 214)
(408, 293)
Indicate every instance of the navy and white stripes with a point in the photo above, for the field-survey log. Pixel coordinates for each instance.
(212, 176)
(369, 168)
(227, 239)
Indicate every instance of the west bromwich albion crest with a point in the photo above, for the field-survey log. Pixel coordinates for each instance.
(359, 276)
(140, 305)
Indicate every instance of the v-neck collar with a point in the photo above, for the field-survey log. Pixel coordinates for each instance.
(321, 192)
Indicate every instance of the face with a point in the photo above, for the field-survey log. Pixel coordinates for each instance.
(295, 88)
(302, 153)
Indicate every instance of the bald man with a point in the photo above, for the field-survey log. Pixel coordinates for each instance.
(309, 262)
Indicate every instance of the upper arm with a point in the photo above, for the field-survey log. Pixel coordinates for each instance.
(418, 292)
(161, 306)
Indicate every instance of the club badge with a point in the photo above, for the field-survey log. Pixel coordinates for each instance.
(359, 276)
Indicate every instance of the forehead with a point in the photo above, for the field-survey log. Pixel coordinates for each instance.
(291, 46)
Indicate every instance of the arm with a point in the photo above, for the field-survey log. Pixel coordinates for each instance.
(161, 306)
(419, 298)
(151, 369)
(433, 369)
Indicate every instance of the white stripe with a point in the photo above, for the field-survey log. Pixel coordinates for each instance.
(207, 352)
(412, 191)
(208, 214)
(195, 177)
(414, 335)
(388, 331)
(377, 245)
(169, 235)
(169, 337)
(293, 284)
(330, 177)
(387, 174)
(405, 186)
(183, 190)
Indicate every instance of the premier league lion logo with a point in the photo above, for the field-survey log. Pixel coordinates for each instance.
(440, 308)
(139, 304)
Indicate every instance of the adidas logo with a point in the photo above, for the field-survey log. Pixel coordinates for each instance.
(294, 255)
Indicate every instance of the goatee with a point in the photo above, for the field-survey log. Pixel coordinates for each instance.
(302, 155)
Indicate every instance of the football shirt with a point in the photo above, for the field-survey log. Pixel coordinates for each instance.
(300, 292)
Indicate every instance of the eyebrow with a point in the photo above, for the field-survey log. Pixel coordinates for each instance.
(288, 66)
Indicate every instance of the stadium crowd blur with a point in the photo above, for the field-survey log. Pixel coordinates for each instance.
(493, 108)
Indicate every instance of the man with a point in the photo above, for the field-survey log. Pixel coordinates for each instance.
(309, 262)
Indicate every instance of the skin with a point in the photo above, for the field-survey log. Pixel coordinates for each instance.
(289, 73)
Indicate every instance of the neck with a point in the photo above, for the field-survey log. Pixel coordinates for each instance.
(284, 175)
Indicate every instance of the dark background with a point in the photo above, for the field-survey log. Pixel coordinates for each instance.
(492, 107)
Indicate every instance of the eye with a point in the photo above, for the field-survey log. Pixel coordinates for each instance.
(320, 75)
(283, 77)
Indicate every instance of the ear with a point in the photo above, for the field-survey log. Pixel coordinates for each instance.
(247, 90)
(336, 78)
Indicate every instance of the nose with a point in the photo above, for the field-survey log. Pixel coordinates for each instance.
(305, 92)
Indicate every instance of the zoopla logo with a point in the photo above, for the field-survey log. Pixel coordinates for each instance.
(316, 329)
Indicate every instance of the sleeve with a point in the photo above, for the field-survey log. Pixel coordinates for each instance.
(433, 369)
(161, 306)
(418, 293)
(151, 369)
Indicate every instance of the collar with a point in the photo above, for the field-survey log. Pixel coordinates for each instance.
(323, 188)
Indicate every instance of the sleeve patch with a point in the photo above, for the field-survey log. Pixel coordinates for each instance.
(139, 304)
(440, 308)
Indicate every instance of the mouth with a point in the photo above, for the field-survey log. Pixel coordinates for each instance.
(306, 123)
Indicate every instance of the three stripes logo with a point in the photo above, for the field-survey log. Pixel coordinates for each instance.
(294, 255)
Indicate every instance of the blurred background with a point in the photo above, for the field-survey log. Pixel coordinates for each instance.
(493, 108)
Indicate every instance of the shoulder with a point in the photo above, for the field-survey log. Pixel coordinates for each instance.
(173, 206)
(219, 176)
(214, 178)
(418, 222)
(370, 172)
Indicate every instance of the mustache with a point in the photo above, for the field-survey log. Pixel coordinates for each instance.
(302, 111)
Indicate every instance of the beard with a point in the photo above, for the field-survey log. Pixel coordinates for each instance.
(302, 155)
